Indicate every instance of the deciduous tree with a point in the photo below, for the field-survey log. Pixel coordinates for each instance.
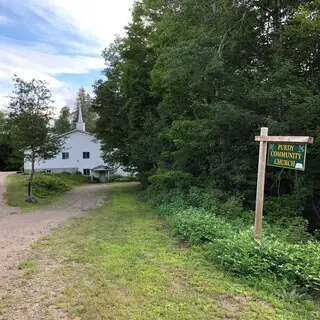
(31, 112)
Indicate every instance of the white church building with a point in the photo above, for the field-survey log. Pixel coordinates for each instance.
(81, 152)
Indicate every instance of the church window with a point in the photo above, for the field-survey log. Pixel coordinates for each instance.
(65, 155)
(86, 155)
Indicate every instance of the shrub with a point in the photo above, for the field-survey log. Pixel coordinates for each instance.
(208, 199)
(198, 226)
(282, 219)
(204, 217)
(171, 179)
(240, 254)
(280, 207)
(73, 179)
(123, 178)
(44, 185)
(297, 263)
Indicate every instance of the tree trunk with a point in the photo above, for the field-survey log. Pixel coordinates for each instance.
(31, 176)
(277, 15)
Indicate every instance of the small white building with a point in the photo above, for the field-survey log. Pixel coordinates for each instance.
(81, 152)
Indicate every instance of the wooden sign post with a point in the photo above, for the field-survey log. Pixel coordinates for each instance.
(285, 152)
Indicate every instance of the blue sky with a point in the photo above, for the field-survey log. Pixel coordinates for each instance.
(59, 41)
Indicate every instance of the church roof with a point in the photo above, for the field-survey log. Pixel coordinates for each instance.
(101, 168)
(75, 130)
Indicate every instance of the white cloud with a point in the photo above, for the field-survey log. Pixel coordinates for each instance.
(93, 23)
(29, 63)
(38, 62)
(95, 20)
(69, 38)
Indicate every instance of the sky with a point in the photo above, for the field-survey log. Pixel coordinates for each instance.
(59, 41)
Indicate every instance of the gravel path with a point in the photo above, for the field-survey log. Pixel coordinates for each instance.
(19, 231)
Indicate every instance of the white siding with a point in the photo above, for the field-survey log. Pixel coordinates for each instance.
(76, 143)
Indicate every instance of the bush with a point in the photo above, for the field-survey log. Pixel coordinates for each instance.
(73, 179)
(282, 218)
(296, 263)
(221, 225)
(116, 178)
(44, 185)
(171, 179)
(198, 226)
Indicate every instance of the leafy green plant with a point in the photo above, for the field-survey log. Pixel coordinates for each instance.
(45, 185)
(123, 179)
(171, 179)
(49, 183)
(224, 229)
(198, 226)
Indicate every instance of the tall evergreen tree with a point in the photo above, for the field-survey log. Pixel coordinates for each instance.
(63, 123)
(84, 101)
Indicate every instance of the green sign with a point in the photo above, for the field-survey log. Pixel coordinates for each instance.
(287, 155)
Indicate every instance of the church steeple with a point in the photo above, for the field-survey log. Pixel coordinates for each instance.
(80, 125)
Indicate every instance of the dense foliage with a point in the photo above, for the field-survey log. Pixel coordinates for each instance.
(222, 227)
(187, 89)
(191, 83)
(10, 159)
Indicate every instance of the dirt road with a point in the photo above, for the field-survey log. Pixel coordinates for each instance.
(18, 231)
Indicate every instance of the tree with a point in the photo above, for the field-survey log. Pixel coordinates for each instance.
(4, 148)
(84, 101)
(191, 82)
(30, 114)
(63, 123)
(10, 159)
(127, 110)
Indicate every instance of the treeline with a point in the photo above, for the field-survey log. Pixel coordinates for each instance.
(10, 158)
(192, 82)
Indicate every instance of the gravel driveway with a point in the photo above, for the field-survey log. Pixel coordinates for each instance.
(18, 231)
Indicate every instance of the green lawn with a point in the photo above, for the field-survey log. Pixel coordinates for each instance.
(17, 190)
(122, 262)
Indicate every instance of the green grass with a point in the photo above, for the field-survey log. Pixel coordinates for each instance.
(29, 267)
(17, 190)
(26, 265)
(122, 262)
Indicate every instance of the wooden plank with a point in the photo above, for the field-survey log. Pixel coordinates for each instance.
(260, 184)
(291, 139)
